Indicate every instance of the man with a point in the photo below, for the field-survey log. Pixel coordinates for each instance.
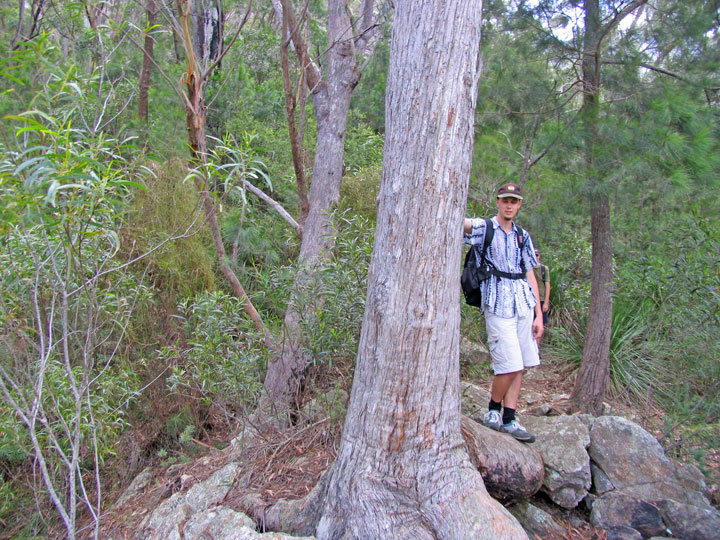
(510, 305)
(542, 276)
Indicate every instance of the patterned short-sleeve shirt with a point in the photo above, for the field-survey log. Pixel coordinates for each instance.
(505, 297)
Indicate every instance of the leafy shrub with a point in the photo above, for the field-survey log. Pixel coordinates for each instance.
(169, 208)
(331, 301)
(222, 359)
(360, 191)
(363, 146)
(336, 295)
(66, 304)
(569, 260)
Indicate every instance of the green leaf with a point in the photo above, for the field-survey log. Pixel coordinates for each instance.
(128, 183)
(56, 187)
(29, 163)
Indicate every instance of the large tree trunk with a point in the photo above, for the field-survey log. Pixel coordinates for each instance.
(402, 471)
(331, 98)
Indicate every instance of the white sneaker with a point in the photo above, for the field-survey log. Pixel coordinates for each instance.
(493, 420)
(516, 430)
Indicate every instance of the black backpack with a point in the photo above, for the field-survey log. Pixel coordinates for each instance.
(476, 269)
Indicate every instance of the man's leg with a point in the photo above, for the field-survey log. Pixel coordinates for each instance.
(506, 388)
(502, 386)
(512, 393)
(530, 358)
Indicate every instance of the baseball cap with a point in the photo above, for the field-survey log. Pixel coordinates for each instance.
(509, 190)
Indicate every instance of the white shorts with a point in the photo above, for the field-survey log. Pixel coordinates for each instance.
(511, 343)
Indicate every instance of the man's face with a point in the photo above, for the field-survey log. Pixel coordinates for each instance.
(508, 207)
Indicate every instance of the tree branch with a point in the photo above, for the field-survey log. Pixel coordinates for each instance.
(275, 205)
(313, 75)
(160, 70)
(663, 71)
(619, 16)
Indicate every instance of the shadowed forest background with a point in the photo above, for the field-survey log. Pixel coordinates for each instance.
(161, 243)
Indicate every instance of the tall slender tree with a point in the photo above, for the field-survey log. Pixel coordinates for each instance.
(402, 472)
(349, 45)
(147, 64)
(594, 374)
(200, 28)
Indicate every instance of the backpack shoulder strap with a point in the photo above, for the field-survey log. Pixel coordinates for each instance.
(521, 243)
(489, 233)
(542, 271)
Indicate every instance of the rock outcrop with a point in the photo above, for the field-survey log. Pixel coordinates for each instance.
(562, 441)
(606, 472)
(512, 471)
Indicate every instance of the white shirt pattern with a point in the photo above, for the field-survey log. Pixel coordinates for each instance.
(501, 296)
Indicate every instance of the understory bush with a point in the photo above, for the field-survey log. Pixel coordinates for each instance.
(360, 190)
(169, 209)
(67, 301)
(685, 286)
(639, 361)
(221, 359)
(332, 301)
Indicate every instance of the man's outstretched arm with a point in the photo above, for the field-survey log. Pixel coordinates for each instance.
(467, 226)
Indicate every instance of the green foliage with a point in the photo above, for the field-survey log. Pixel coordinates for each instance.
(249, 223)
(66, 300)
(169, 209)
(252, 100)
(253, 88)
(639, 356)
(569, 259)
(333, 300)
(369, 97)
(360, 191)
(639, 353)
(682, 278)
(693, 428)
(363, 146)
(222, 358)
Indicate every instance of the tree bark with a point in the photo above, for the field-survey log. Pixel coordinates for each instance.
(594, 374)
(207, 32)
(331, 97)
(402, 471)
(147, 65)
